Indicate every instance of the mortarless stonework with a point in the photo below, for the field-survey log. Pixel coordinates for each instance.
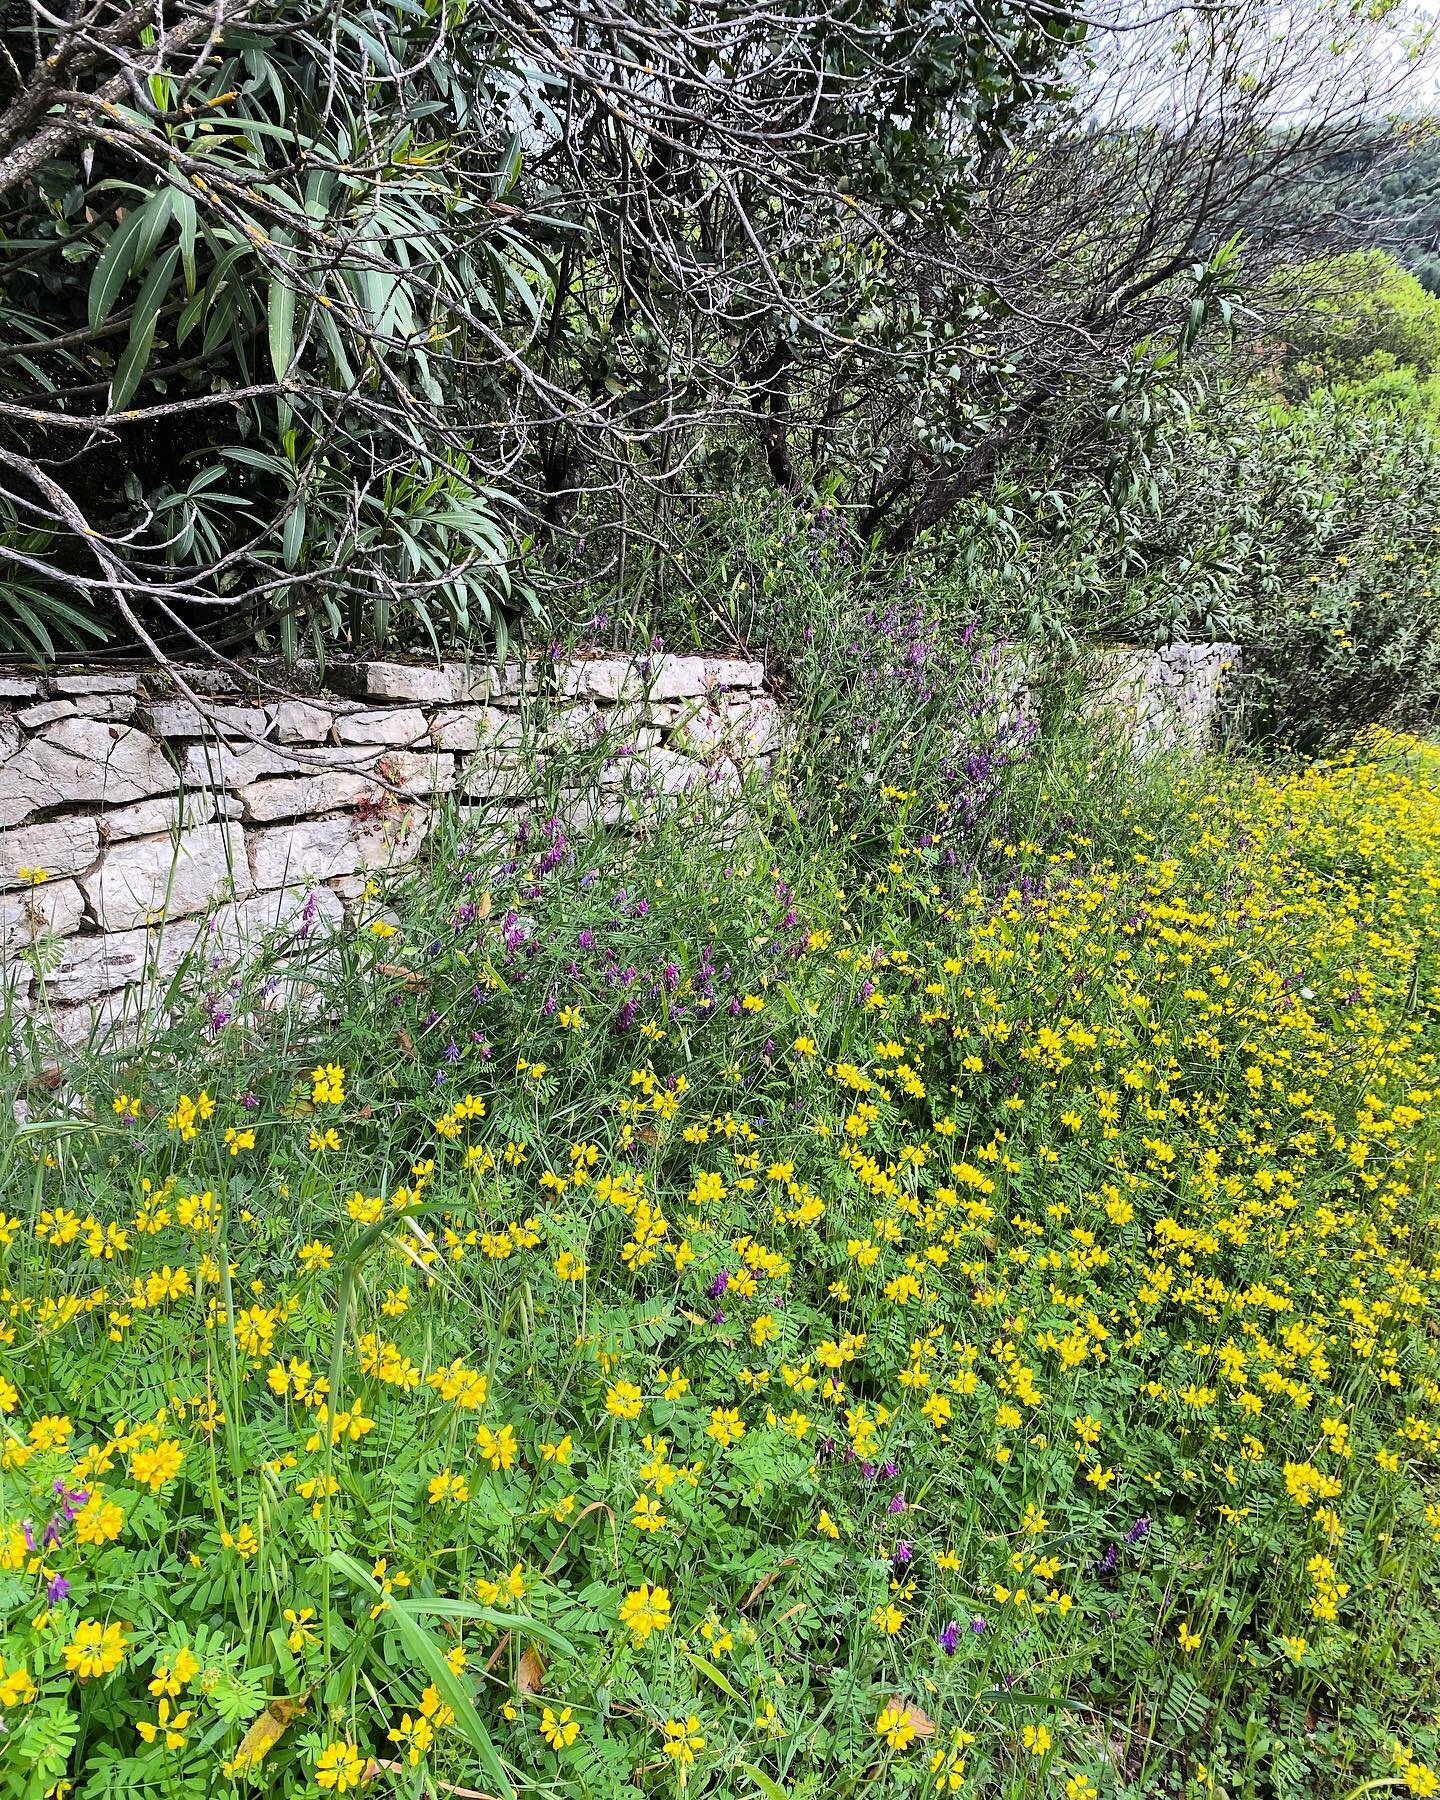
(173, 837)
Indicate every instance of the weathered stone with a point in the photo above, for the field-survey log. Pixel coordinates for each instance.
(471, 726)
(98, 963)
(606, 678)
(320, 849)
(515, 678)
(182, 719)
(142, 880)
(654, 771)
(301, 912)
(300, 796)
(122, 707)
(117, 683)
(82, 762)
(303, 722)
(489, 777)
(411, 681)
(46, 713)
(205, 678)
(677, 677)
(589, 809)
(383, 725)
(417, 771)
(20, 687)
(53, 909)
(148, 818)
(733, 672)
(744, 728)
(62, 847)
(216, 765)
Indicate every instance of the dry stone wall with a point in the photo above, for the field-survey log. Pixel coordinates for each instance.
(141, 834)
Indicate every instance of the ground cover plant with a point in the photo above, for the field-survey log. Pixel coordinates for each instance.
(683, 1312)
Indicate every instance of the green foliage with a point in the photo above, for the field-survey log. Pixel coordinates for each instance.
(993, 1310)
(1354, 316)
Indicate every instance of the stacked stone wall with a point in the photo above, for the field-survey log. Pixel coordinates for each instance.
(141, 833)
(146, 838)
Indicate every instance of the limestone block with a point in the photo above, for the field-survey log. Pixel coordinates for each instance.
(120, 1019)
(53, 909)
(20, 687)
(413, 681)
(488, 777)
(206, 678)
(320, 849)
(216, 765)
(516, 678)
(61, 847)
(589, 809)
(302, 912)
(677, 677)
(733, 672)
(83, 762)
(117, 683)
(146, 878)
(654, 771)
(303, 795)
(98, 963)
(417, 771)
(182, 719)
(122, 707)
(745, 727)
(468, 727)
(383, 725)
(46, 713)
(303, 721)
(606, 678)
(281, 920)
(166, 813)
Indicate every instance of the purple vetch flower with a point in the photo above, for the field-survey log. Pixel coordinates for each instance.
(452, 1052)
(890, 1469)
(1140, 1529)
(249, 1101)
(29, 1534)
(868, 1471)
(717, 1317)
(719, 1284)
(897, 1504)
(903, 1553)
(950, 1637)
(58, 1588)
(979, 1624)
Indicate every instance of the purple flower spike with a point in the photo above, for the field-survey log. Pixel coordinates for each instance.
(950, 1637)
(57, 1590)
(897, 1505)
(903, 1553)
(979, 1625)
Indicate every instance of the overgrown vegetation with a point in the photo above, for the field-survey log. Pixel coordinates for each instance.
(328, 328)
(763, 1312)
